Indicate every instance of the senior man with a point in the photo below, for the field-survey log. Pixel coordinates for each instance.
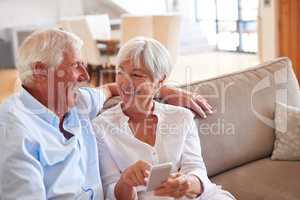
(47, 145)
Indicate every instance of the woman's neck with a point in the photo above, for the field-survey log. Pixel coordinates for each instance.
(138, 113)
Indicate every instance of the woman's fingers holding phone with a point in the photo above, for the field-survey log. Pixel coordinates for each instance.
(142, 170)
(146, 173)
(129, 178)
(176, 186)
(138, 173)
(135, 174)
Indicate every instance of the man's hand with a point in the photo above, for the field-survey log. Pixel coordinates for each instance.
(173, 96)
(179, 97)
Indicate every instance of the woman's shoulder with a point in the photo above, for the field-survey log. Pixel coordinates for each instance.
(111, 115)
(110, 123)
(174, 111)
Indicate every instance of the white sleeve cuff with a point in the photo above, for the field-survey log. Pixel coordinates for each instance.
(110, 192)
(206, 183)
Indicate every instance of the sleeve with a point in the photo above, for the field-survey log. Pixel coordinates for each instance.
(21, 174)
(109, 171)
(191, 161)
(90, 101)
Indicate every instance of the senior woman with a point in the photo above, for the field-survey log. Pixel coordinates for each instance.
(139, 133)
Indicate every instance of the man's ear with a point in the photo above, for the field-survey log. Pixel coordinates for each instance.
(39, 70)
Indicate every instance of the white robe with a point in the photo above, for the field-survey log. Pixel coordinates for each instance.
(177, 141)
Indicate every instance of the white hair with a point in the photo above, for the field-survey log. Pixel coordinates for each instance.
(148, 52)
(46, 46)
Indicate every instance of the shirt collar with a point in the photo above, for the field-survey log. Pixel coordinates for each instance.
(158, 111)
(29, 103)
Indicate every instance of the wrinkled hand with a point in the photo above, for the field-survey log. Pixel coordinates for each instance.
(136, 174)
(183, 98)
(176, 186)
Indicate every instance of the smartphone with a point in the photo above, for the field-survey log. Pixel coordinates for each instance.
(158, 174)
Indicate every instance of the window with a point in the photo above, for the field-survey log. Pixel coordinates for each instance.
(230, 25)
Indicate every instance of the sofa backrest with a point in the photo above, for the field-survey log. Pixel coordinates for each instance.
(242, 130)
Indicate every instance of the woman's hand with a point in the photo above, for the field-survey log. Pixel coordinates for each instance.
(136, 174)
(179, 185)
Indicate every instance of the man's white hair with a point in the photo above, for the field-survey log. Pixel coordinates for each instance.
(46, 46)
(148, 52)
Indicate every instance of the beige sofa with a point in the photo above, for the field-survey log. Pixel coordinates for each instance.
(237, 140)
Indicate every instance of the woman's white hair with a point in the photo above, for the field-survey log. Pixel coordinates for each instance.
(148, 52)
(46, 46)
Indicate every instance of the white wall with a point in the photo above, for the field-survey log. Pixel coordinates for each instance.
(102, 7)
(142, 6)
(69, 8)
(187, 9)
(268, 30)
(19, 13)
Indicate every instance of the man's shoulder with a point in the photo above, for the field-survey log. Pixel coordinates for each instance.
(90, 101)
(94, 94)
(9, 107)
(13, 115)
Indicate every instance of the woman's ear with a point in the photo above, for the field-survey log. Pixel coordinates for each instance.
(39, 70)
(159, 85)
(161, 81)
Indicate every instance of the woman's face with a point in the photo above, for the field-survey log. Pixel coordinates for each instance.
(135, 84)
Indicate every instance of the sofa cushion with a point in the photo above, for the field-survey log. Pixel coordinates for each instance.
(287, 131)
(242, 128)
(263, 180)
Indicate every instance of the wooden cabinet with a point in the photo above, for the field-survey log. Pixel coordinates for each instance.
(9, 82)
(289, 32)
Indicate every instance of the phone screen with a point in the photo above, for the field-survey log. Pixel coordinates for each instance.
(158, 174)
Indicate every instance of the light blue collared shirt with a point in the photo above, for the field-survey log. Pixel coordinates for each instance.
(37, 161)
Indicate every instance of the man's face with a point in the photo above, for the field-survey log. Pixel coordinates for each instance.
(66, 79)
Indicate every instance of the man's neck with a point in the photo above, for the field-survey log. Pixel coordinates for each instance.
(42, 97)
